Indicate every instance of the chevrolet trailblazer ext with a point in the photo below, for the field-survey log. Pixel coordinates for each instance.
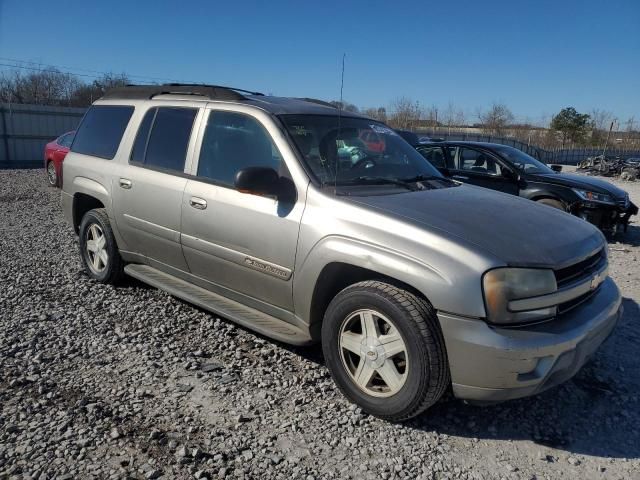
(273, 213)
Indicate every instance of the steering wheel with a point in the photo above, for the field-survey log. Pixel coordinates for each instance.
(367, 162)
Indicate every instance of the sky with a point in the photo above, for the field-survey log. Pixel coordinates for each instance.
(534, 56)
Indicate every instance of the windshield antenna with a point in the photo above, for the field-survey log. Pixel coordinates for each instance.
(340, 105)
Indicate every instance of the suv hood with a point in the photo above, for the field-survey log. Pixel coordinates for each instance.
(580, 181)
(516, 231)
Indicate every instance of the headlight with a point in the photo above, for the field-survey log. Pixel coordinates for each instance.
(502, 285)
(594, 196)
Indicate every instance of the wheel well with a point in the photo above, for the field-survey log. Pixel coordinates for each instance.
(551, 197)
(334, 278)
(82, 203)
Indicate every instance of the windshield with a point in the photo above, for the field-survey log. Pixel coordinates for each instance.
(353, 151)
(523, 162)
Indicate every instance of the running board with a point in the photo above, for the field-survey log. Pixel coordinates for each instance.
(246, 316)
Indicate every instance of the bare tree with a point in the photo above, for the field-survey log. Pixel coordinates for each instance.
(52, 87)
(346, 106)
(453, 117)
(379, 113)
(600, 123)
(405, 113)
(86, 94)
(45, 87)
(431, 116)
(496, 119)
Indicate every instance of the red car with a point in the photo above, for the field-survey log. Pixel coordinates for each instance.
(54, 153)
(373, 142)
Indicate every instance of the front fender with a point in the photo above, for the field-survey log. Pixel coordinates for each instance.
(434, 283)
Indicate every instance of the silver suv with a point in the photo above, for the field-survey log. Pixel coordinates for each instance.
(306, 223)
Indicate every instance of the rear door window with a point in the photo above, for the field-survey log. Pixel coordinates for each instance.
(101, 130)
(435, 156)
(163, 138)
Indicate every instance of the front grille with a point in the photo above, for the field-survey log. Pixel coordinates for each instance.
(584, 269)
(566, 306)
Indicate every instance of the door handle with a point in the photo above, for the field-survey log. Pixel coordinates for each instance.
(460, 177)
(198, 203)
(124, 183)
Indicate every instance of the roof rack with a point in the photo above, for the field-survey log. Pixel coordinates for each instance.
(145, 92)
(319, 102)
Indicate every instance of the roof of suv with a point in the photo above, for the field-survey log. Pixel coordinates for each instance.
(275, 105)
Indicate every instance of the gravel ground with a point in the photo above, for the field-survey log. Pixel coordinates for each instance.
(101, 382)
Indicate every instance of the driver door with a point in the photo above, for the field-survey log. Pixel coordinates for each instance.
(481, 168)
(242, 244)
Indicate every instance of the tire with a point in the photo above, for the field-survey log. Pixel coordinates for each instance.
(422, 367)
(95, 227)
(550, 202)
(52, 174)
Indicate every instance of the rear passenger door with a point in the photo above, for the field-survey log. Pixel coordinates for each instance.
(148, 190)
(244, 245)
(481, 168)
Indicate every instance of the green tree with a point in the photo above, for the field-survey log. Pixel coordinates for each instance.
(572, 125)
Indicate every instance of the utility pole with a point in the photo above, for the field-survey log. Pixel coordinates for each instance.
(606, 142)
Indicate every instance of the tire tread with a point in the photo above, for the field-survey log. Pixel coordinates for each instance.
(425, 318)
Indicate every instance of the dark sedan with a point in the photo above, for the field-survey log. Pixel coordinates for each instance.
(510, 170)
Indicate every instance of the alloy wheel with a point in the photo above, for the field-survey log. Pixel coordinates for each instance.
(373, 353)
(51, 174)
(96, 246)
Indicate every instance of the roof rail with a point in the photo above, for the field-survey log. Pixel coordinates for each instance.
(319, 102)
(241, 90)
(145, 92)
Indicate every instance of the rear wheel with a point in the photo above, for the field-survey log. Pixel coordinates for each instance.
(384, 349)
(98, 248)
(550, 202)
(52, 175)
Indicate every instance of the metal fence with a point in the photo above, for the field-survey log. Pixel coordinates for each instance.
(571, 156)
(26, 129)
(577, 155)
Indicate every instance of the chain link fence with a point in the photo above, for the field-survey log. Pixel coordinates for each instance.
(571, 156)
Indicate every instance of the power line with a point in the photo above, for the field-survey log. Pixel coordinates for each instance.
(71, 69)
(17, 63)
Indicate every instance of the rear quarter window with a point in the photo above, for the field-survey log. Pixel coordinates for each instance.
(101, 130)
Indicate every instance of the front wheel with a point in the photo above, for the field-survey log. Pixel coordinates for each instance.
(52, 175)
(550, 202)
(385, 350)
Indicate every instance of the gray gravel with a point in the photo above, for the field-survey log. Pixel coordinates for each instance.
(101, 382)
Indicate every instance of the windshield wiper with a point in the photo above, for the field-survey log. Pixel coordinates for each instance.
(367, 180)
(422, 178)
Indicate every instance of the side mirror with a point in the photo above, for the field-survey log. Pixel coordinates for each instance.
(510, 174)
(263, 181)
(556, 168)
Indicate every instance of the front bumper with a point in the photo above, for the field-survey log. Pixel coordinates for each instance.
(605, 217)
(492, 364)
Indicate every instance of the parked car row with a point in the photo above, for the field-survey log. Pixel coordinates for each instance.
(509, 170)
(308, 225)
